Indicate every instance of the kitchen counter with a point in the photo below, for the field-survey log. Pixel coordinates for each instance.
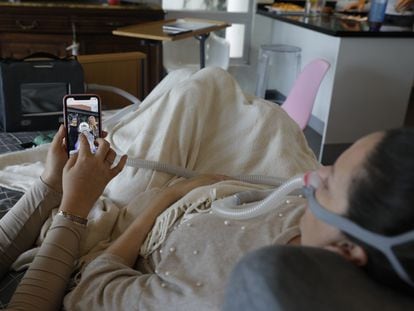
(337, 25)
(368, 85)
(101, 5)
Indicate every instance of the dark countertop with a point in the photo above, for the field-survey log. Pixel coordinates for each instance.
(332, 24)
(76, 4)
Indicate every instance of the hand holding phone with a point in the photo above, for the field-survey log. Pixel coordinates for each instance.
(85, 176)
(82, 116)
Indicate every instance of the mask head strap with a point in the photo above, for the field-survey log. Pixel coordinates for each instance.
(382, 243)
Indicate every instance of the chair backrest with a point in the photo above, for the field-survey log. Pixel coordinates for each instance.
(120, 70)
(186, 53)
(301, 98)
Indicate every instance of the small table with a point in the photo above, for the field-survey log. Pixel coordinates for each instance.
(154, 31)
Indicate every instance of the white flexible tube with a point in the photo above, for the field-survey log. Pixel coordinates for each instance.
(229, 207)
(161, 167)
(187, 173)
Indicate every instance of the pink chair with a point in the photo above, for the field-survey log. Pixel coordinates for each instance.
(301, 98)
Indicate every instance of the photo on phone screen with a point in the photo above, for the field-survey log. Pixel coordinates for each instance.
(82, 116)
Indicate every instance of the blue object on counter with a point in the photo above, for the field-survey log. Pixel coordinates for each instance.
(377, 13)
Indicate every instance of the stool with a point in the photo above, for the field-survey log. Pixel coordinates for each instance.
(277, 69)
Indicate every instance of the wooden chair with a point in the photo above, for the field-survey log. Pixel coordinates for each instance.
(125, 71)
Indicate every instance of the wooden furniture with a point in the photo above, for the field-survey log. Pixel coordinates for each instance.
(28, 27)
(153, 31)
(123, 70)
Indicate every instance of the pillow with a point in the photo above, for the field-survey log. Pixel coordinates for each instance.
(304, 278)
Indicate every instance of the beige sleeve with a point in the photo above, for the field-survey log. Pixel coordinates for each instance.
(20, 227)
(44, 284)
(108, 283)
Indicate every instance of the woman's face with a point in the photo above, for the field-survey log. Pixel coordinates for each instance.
(92, 120)
(333, 192)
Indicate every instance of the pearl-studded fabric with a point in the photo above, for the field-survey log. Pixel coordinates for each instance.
(190, 268)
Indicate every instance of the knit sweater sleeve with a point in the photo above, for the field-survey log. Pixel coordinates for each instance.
(107, 283)
(44, 284)
(20, 227)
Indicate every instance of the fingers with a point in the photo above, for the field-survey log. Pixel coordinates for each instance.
(104, 155)
(110, 156)
(119, 167)
(103, 149)
(361, 5)
(71, 161)
(350, 6)
(84, 147)
(59, 136)
(64, 146)
(402, 5)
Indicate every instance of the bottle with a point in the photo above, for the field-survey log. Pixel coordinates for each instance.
(377, 14)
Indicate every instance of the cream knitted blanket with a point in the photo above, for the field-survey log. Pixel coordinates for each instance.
(201, 121)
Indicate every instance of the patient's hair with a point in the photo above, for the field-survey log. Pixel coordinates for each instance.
(381, 199)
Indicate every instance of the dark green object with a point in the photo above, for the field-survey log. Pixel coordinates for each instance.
(44, 138)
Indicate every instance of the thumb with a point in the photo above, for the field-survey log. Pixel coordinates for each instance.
(71, 162)
(58, 138)
(84, 148)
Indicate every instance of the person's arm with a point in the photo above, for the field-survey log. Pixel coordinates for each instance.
(84, 178)
(356, 5)
(20, 227)
(403, 5)
(127, 246)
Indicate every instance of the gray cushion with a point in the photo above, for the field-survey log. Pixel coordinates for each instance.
(302, 278)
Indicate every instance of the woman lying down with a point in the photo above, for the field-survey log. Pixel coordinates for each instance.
(167, 251)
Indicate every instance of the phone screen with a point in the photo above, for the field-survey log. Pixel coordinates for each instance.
(82, 116)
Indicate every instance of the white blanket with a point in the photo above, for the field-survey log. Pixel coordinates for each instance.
(202, 121)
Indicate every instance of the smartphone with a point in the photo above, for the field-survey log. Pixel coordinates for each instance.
(82, 115)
